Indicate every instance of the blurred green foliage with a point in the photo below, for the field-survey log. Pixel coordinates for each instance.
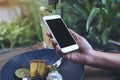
(24, 31)
(20, 32)
(96, 19)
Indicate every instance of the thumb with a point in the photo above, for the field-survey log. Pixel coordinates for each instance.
(75, 35)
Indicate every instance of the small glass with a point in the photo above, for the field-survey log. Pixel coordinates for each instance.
(46, 39)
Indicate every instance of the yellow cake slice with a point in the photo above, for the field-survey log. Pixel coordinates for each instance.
(38, 68)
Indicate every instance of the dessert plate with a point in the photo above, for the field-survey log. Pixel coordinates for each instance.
(69, 70)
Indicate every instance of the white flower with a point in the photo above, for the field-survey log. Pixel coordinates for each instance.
(42, 8)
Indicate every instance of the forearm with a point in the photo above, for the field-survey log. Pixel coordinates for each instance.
(104, 60)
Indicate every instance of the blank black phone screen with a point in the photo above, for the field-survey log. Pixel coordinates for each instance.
(60, 32)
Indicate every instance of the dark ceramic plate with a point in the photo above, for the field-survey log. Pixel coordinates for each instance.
(69, 70)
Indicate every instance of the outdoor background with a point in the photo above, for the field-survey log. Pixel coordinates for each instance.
(97, 20)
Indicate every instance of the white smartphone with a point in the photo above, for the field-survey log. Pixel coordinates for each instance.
(60, 32)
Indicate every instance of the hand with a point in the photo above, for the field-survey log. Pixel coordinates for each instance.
(86, 55)
(82, 55)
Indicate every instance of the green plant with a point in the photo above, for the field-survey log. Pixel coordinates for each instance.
(33, 12)
(26, 30)
(96, 19)
(105, 14)
(18, 32)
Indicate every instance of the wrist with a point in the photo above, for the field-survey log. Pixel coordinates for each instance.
(90, 57)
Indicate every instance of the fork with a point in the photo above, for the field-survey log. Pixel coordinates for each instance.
(57, 63)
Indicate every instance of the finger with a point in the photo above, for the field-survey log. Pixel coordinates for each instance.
(56, 47)
(58, 50)
(49, 35)
(76, 36)
(54, 43)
